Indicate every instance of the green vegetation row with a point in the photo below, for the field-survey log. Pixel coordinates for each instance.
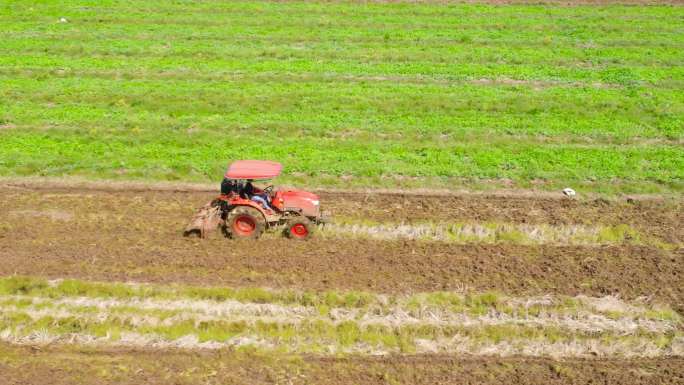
(492, 232)
(33, 310)
(318, 336)
(469, 303)
(391, 94)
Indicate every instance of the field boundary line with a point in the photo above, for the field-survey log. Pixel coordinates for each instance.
(79, 184)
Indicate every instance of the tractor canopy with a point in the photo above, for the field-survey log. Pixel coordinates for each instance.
(253, 169)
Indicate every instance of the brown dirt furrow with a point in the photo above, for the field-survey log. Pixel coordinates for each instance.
(657, 217)
(137, 236)
(73, 366)
(365, 265)
(661, 218)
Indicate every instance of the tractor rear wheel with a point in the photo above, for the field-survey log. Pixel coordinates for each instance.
(245, 222)
(299, 228)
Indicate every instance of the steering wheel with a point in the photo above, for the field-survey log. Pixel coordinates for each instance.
(269, 190)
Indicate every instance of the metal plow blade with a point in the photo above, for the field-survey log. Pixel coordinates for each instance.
(206, 220)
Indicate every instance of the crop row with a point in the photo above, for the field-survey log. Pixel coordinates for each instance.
(36, 311)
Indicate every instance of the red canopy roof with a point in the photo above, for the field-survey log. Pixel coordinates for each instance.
(253, 169)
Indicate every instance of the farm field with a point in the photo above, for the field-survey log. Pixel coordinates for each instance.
(526, 286)
(120, 366)
(437, 134)
(399, 95)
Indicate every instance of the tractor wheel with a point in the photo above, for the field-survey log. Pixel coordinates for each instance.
(245, 222)
(299, 228)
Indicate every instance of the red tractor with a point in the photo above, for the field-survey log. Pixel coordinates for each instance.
(244, 211)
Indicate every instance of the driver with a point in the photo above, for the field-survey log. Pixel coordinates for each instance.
(256, 195)
(228, 186)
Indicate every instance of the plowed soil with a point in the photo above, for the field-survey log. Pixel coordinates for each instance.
(660, 217)
(61, 365)
(104, 235)
(123, 236)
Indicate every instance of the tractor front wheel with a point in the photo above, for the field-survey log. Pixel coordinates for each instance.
(300, 228)
(245, 222)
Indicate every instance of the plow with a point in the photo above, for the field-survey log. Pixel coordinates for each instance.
(245, 211)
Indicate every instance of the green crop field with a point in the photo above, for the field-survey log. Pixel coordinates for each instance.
(346, 93)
